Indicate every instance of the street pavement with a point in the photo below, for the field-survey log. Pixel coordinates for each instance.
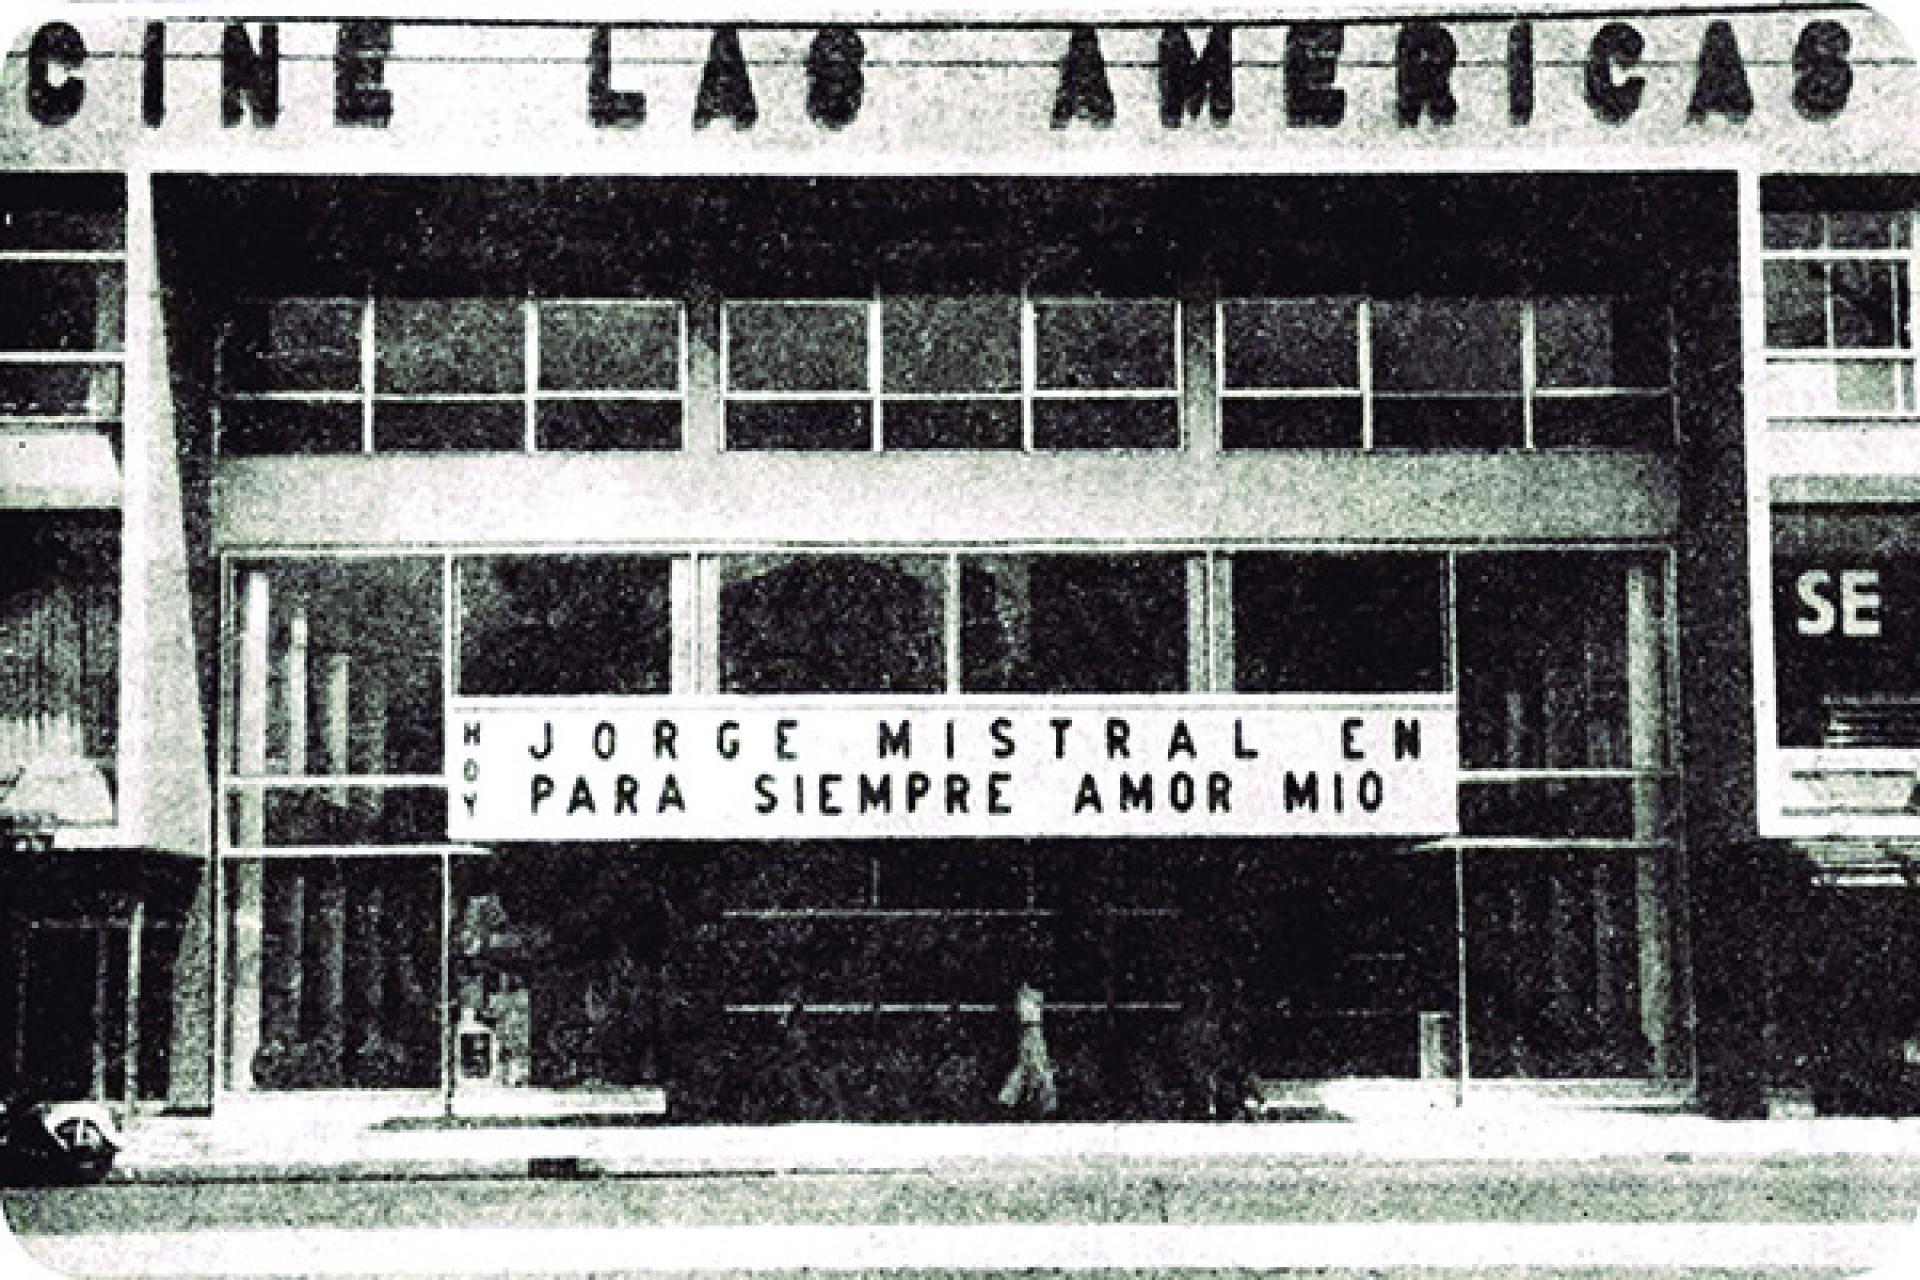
(1491, 1195)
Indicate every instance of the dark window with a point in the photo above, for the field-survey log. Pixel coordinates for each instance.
(449, 346)
(1292, 343)
(952, 346)
(564, 624)
(1105, 375)
(1446, 374)
(1543, 660)
(1073, 624)
(609, 346)
(59, 306)
(1339, 624)
(294, 344)
(798, 376)
(357, 644)
(797, 346)
(832, 624)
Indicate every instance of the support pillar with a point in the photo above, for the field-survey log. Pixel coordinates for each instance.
(286, 905)
(246, 905)
(1647, 754)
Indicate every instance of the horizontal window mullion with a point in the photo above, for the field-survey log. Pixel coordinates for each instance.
(58, 419)
(103, 358)
(1836, 255)
(448, 397)
(1600, 393)
(1292, 393)
(1836, 355)
(294, 397)
(1507, 777)
(1107, 393)
(329, 781)
(950, 397)
(117, 256)
(649, 397)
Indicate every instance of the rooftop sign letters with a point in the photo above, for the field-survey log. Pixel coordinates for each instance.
(1188, 83)
(1836, 76)
(664, 769)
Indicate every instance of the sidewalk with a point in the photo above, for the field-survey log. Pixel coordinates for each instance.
(283, 1139)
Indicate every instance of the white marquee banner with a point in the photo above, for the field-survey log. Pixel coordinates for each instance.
(672, 768)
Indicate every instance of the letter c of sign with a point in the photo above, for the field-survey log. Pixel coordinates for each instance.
(58, 44)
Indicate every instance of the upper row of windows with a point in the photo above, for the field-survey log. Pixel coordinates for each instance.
(997, 372)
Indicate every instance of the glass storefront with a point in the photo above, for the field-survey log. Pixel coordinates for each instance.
(865, 978)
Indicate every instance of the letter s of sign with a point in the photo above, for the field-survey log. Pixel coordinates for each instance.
(57, 44)
(1822, 76)
(836, 78)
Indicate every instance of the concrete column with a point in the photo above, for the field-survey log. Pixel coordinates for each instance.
(165, 764)
(1199, 659)
(246, 904)
(367, 975)
(1220, 605)
(136, 956)
(336, 718)
(368, 738)
(683, 674)
(327, 976)
(286, 902)
(703, 425)
(1647, 750)
(1199, 401)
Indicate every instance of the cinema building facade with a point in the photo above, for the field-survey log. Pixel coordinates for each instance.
(596, 566)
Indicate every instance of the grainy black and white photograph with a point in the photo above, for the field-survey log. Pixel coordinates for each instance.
(862, 638)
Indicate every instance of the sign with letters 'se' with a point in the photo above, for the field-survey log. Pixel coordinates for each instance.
(696, 769)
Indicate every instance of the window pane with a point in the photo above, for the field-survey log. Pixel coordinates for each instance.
(60, 390)
(951, 344)
(1581, 808)
(1600, 342)
(59, 306)
(1543, 661)
(1303, 342)
(1606, 422)
(355, 644)
(609, 346)
(279, 817)
(1872, 230)
(1791, 231)
(1796, 305)
(832, 624)
(1452, 344)
(1339, 624)
(440, 345)
(608, 424)
(587, 624)
(72, 228)
(60, 660)
(1291, 423)
(1073, 624)
(1557, 947)
(282, 426)
(1476, 422)
(808, 346)
(350, 953)
(294, 344)
(1870, 386)
(1106, 424)
(805, 424)
(1104, 346)
(1867, 311)
(947, 424)
(428, 426)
